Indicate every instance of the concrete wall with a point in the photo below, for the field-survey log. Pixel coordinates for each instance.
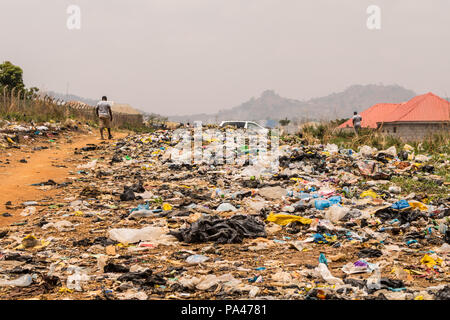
(414, 131)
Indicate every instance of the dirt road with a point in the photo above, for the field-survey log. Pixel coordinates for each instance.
(53, 163)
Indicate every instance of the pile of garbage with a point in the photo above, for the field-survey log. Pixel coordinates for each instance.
(16, 135)
(328, 224)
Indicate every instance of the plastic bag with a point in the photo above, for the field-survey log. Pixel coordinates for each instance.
(89, 165)
(374, 282)
(357, 267)
(429, 261)
(367, 151)
(272, 193)
(74, 281)
(284, 219)
(369, 193)
(395, 189)
(401, 204)
(23, 281)
(322, 204)
(154, 234)
(418, 205)
(331, 148)
(196, 259)
(226, 207)
(335, 199)
(61, 226)
(336, 213)
(28, 211)
(392, 151)
(322, 269)
(421, 158)
(282, 277)
(144, 213)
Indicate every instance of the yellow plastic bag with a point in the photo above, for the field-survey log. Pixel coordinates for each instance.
(418, 205)
(407, 147)
(146, 140)
(369, 193)
(284, 219)
(31, 242)
(429, 261)
(65, 290)
(10, 140)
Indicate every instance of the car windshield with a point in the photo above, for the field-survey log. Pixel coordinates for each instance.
(253, 126)
(234, 124)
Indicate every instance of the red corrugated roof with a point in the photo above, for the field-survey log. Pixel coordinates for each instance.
(426, 107)
(370, 117)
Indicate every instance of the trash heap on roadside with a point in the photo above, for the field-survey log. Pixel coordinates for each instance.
(328, 224)
(34, 137)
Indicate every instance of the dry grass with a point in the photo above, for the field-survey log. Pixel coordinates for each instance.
(327, 132)
(37, 109)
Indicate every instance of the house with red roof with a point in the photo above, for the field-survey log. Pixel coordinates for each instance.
(411, 120)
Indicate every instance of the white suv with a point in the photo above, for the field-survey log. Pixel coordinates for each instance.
(250, 125)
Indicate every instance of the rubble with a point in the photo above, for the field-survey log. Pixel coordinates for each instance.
(136, 225)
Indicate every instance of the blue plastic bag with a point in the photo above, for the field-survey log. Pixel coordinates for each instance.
(323, 259)
(335, 199)
(401, 204)
(322, 204)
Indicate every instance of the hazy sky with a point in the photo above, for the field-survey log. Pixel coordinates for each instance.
(190, 56)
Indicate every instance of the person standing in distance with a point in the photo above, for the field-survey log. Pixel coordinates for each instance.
(357, 122)
(104, 114)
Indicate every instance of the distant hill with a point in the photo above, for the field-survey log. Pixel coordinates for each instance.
(71, 97)
(272, 106)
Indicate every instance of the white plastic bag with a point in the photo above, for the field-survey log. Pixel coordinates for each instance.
(28, 211)
(23, 281)
(323, 271)
(374, 282)
(153, 234)
(226, 207)
(336, 213)
(74, 281)
(332, 148)
(89, 165)
(196, 259)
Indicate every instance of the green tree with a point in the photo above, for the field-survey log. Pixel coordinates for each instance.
(11, 76)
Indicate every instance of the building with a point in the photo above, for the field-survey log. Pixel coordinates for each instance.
(412, 120)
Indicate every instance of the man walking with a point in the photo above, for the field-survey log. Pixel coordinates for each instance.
(104, 113)
(357, 122)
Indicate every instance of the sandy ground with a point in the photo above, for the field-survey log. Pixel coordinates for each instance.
(54, 163)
